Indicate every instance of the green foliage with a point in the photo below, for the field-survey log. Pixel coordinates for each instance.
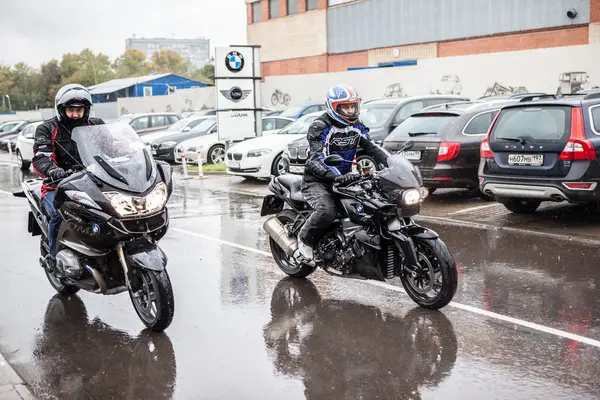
(31, 88)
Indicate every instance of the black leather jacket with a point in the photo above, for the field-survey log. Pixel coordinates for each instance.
(326, 137)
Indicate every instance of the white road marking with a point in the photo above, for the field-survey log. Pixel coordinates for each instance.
(464, 307)
(468, 210)
(5, 192)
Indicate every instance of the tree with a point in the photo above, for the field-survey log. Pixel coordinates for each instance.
(168, 61)
(131, 63)
(50, 82)
(205, 74)
(25, 91)
(94, 69)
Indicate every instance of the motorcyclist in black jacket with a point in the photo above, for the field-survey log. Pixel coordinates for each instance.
(54, 151)
(337, 131)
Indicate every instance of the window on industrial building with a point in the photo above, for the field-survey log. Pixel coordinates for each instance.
(147, 91)
(256, 12)
(292, 7)
(311, 4)
(273, 8)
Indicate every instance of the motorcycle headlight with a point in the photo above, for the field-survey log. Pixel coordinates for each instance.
(168, 145)
(127, 205)
(259, 152)
(411, 197)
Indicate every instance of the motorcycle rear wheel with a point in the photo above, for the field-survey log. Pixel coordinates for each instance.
(285, 263)
(154, 302)
(436, 261)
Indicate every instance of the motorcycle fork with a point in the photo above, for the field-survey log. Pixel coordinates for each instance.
(407, 247)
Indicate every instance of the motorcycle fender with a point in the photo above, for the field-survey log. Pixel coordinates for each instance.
(147, 256)
(271, 205)
(421, 232)
(408, 249)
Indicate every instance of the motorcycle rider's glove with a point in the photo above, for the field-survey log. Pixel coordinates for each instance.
(347, 178)
(57, 173)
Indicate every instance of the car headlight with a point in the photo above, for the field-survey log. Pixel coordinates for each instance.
(168, 145)
(411, 197)
(259, 152)
(127, 205)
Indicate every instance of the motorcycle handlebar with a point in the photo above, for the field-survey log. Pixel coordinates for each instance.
(48, 181)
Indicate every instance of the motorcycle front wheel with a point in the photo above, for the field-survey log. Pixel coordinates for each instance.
(154, 301)
(434, 285)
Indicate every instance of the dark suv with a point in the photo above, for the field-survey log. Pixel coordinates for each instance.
(543, 149)
(447, 139)
(382, 116)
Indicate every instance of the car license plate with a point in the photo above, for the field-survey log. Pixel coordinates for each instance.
(411, 154)
(296, 170)
(526, 159)
(233, 164)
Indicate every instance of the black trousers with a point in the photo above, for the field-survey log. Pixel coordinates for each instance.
(320, 198)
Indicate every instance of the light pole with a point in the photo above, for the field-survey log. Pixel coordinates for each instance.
(9, 105)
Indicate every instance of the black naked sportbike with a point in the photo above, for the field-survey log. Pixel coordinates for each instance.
(374, 235)
(113, 214)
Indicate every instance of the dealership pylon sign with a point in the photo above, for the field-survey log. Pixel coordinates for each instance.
(237, 81)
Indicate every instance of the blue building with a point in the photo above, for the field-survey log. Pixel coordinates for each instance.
(150, 85)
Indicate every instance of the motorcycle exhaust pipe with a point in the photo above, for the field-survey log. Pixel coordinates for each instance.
(277, 232)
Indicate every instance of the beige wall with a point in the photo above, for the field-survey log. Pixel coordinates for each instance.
(294, 36)
(178, 102)
(402, 53)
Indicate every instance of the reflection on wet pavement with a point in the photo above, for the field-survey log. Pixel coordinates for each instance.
(242, 331)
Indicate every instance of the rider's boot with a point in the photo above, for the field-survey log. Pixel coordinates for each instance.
(304, 254)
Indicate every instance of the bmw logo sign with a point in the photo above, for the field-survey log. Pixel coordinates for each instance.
(234, 61)
(96, 229)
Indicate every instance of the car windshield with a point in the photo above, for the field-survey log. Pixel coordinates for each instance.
(291, 112)
(549, 123)
(299, 126)
(179, 125)
(115, 154)
(374, 116)
(204, 126)
(424, 124)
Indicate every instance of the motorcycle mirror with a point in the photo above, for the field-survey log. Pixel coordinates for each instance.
(407, 145)
(333, 160)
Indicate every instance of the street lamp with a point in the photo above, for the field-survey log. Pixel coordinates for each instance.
(9, 105)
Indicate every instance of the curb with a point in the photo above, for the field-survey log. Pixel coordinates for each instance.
(11, 384)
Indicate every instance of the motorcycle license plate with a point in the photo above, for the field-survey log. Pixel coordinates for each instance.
(411, 154)
(526, 159)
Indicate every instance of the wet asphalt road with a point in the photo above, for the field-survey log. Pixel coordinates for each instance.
(243, 331)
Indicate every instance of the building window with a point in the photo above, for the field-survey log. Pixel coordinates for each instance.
(273, 9)
(311, 4)
(256, 12)
(147, 90)
(292, 7)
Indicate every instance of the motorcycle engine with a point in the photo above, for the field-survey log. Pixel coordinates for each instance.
(340, 252)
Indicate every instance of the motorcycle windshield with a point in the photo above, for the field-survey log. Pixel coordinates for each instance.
(401, 174)
(116, 155)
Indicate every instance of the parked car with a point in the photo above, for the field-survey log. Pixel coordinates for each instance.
(200, 113)
(446, 143)
(212, 150)
(183, 125)
(381, 116)
(150, 122)
(543, 150)
(261, 157)
(163, 148)
(13, 128)
(11, 137)
(9, 126)
(24, 145)
(296, 112)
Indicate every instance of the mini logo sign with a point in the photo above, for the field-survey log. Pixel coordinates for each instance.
(234, 61)
(235, 94)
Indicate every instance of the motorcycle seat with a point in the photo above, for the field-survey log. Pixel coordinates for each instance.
(292, 183)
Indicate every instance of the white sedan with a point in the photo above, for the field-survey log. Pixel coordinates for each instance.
(261, 157)
(212, 150)
(24, 146)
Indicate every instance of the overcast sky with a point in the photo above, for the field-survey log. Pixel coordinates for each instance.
(35, 31)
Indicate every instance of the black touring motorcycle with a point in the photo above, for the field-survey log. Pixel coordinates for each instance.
(113, 214)
(373, 237)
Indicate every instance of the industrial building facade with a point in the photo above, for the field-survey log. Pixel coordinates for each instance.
(196, 51)
(318, 36)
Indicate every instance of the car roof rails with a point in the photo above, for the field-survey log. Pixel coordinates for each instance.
(594, 95)
(447, 105)
(521, 95)
(537, 96)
